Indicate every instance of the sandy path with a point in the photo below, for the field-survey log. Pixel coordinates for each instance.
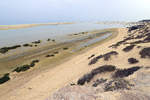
(43, 85)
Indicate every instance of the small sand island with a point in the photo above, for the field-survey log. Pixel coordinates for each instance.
(19, 26)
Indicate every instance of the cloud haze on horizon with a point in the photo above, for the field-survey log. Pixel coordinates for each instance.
(38, 11)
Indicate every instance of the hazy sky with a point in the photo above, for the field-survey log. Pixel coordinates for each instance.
(37, 11)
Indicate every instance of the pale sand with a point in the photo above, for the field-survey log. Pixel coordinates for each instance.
(47, 82)
(19, 26)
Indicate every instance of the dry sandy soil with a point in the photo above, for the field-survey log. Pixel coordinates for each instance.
(116, 70)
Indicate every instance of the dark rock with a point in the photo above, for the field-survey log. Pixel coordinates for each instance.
(5, 78)
(120, 73)
(132, 60)
(128, 48)
(145, 52)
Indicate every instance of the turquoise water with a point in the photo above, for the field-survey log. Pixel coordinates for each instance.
(26, 35)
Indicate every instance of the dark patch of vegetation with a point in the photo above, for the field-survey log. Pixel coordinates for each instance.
(132, 60)
(53, 40)
(95, 59)
(99, 81)
(66, 48)
(37, 42)
(32, 64)
(128, 48)
(117, 84)
(22, 68)
(72, 84)
(121, 42)
(120, 73)
(27, 45)
(145, 52)
(106, 57)
(56, 52)
(25, 67)
(135, 27)
(75, 34)
(48, 39)
(6, 49)
(91, 56)
(102, 69)
(52, 55)
(5, 78)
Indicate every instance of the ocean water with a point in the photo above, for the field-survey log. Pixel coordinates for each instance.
(26, 35)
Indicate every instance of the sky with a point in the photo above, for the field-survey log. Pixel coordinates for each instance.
(41, 11)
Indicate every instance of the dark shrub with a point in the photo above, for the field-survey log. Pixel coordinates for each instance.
(5, 78)
(91, 56)
(22, 68)
(117, 84)
(88, 77)
(145, 52)
(65, 48)
(6, 49)
(120, 73)
(56, 52)
(26, 45)
(109, 54)
(106, 57)
(48, 39)
(128, 48)
(95, 59)
(102, 69)
(99, 81)
(37, 42)
(33, 63)
(132, 60)
(52, 55)
(135, 27)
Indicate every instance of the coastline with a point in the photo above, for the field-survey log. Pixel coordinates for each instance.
(61, 67)
(20, 26)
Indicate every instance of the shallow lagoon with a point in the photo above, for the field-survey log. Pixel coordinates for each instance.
(58, 32)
